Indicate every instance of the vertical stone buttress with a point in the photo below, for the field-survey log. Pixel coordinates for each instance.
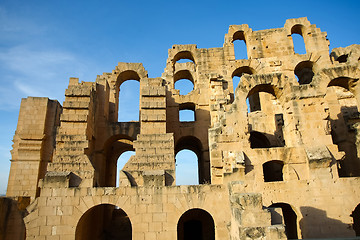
(75, 135)
(34, 142)
(154, 163)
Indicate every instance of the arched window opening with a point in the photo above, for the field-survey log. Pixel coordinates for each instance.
(183, 56)
(261, 97)
(356, 220)
(273, 171)
(187, 112)
(240, 48)
(129, 95)
(258, 140)
(122, 160)
(118, 151)
(298, 40)
(253, 102)
(342, 58)
(184, 81)
(290, 219)
(193, 144)
(299, 45)
(185, 86)
(304, 72)
(240, 72)
(186, 115)
(187, 169)
(104, 221)
(196, 224)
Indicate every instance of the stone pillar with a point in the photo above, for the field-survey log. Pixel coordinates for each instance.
(154, 162)
(73, 140)
(33, 145)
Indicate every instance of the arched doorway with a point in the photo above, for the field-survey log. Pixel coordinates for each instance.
(129, 97)
(196, 224)
(104, 222)
(114, 148)
(194, 144)
(290, 219)
(186, 168)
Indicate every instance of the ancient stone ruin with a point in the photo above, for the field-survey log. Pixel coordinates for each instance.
(277, 158)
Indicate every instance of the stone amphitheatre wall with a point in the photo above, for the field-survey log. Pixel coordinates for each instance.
(278, 157)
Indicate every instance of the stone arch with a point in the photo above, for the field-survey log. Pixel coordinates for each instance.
(122, 73)
(349, 54)
(235, 32)
(113, 148)
(291, 219)
(104, 221)
(240, 46)
(273, 171)
(238, 71)
(196, 224)
(185, 54)
(188, 106)
(126, 75)
(324, 77)
(296, 24)
(243, 70)
(184, 75)
(194, 144)
(304, 72)
(254, 98)
(271, 83)
(298, 40)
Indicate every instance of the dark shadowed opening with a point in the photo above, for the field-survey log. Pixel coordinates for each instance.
(273, 171)
(356, 220)
(258, 140)
(104, 222)
(289, 219)
(304, 72)
(196, 224)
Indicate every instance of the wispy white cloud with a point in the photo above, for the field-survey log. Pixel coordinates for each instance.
(33, 62)
(10, 24)
(36, 72)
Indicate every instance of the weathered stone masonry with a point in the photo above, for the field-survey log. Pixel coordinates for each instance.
(277, 158)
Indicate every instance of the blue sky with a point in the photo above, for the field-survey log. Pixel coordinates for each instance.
(43, 43)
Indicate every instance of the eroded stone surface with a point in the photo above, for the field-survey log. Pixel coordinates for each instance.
(279, 155)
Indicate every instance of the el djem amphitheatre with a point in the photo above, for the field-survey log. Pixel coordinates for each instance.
(278, 158)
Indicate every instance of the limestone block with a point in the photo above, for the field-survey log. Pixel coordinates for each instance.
(319, 157)
(154, 177)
